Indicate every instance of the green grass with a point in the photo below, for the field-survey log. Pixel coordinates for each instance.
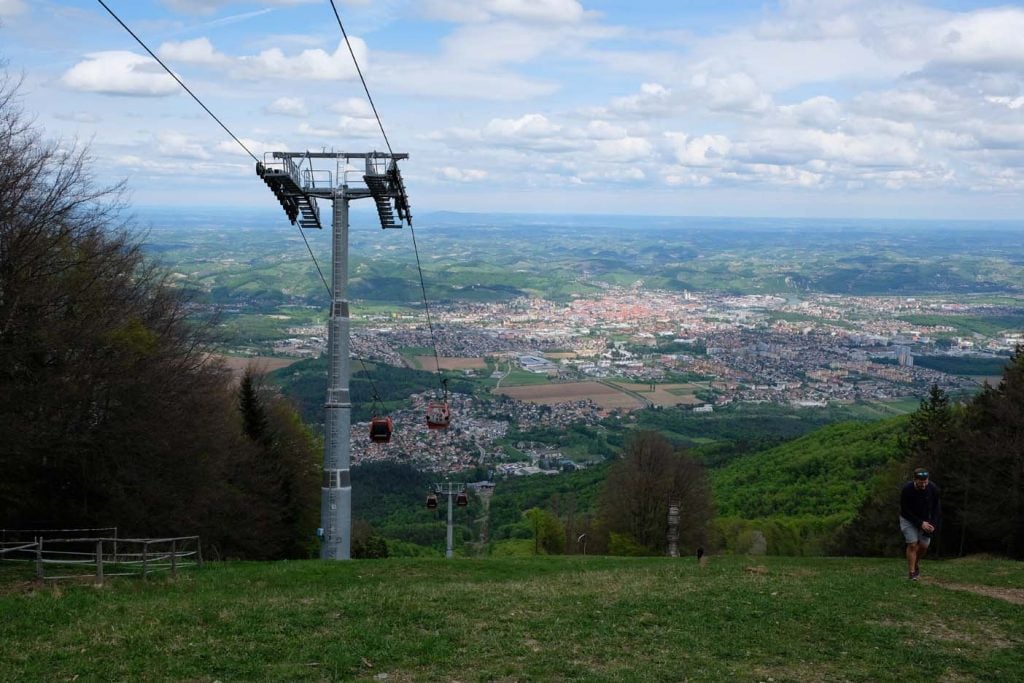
(522, 378)
(547, 618)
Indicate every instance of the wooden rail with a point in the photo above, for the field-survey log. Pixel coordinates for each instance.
(105, 557)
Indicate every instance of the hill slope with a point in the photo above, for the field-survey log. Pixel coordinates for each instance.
(543, 619)
(822, 474)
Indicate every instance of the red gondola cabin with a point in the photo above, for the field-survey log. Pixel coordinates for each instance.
(439, 416)
(431, 501)
(380, 429)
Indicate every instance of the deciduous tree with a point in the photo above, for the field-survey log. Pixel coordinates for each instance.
(635, 499)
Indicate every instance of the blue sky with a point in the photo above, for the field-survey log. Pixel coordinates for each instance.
(803, 108)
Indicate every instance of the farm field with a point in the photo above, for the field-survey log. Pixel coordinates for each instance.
(548, 618)
(432, 364)
(238, 364)
(603, 395)
(667, 394)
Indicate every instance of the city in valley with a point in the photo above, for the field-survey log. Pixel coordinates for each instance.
(632, 348)
(549, 327)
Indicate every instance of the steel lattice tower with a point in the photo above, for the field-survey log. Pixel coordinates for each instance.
(292, 179)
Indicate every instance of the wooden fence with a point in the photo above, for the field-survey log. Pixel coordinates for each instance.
(72, 558)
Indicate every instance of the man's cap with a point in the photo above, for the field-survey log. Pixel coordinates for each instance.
(920, 473)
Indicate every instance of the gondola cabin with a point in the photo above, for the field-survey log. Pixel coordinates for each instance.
(439, 416)
(431, 501)
(380, 429)
(462, 500)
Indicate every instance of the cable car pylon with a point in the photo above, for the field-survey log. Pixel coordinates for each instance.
(296, 186)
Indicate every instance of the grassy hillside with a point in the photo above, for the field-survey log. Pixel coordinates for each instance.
(824, 473)
(545, 619)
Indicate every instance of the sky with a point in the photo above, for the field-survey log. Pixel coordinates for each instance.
(797, 108)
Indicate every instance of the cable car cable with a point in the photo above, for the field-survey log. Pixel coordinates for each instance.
(359, 71)
(419, 267)
(171, 73)
(214, 117)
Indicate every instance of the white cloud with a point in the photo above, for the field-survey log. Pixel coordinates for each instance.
(612, 174)
(356, 107)
(12, 8)
(460, 80)
(701, 150)
(729, 92)
(1009, 102)
(901, 104)
(313, 64)
(463, 175)
(989, 37)
(473, 11)
(783, 175)
(287, 106)
(347, 127)
(817, 112)
(530, 126)
(180, 146)
(211, 6)
(198, 51)
(120, 73)
(796, 146)
(623, 149)
(653, 99)
(257, 147)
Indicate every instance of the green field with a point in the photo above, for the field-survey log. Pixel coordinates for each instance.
(542, 618)
(522, 378)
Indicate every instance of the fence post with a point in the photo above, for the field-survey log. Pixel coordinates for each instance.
(39, 559)
(99, 560)
(199, 553)
(145, 558)
(174, 557)
(115, 545)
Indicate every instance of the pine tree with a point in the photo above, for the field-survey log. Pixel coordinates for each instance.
(993, 440)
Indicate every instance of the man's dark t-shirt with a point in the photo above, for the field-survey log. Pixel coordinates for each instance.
(917, 506)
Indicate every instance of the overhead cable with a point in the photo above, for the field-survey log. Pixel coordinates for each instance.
(214, 117)
(419, 267)
(171, 73)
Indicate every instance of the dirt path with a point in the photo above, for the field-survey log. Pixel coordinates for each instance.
(1013, 595)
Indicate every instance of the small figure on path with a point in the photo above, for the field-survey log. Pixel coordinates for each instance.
(919, 518)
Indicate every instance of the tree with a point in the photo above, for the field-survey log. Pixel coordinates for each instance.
(113, 410)
(635, 499)
(988, 466)
(367, 544)
(285, 466)
(548, 531)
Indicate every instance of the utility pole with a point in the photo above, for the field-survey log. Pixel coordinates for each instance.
(458, 492)
(295, 183)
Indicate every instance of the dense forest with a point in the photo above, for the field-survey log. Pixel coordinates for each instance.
(112, 411)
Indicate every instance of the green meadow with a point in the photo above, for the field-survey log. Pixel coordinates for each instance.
(735, 618)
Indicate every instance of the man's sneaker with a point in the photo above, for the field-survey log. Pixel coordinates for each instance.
(915, 574)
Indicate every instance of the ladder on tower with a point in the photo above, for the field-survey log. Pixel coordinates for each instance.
(297, 204)
(385, 187)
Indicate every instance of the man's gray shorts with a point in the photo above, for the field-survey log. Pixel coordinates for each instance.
(913, 534)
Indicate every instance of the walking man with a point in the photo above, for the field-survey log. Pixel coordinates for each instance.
(919, 518)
